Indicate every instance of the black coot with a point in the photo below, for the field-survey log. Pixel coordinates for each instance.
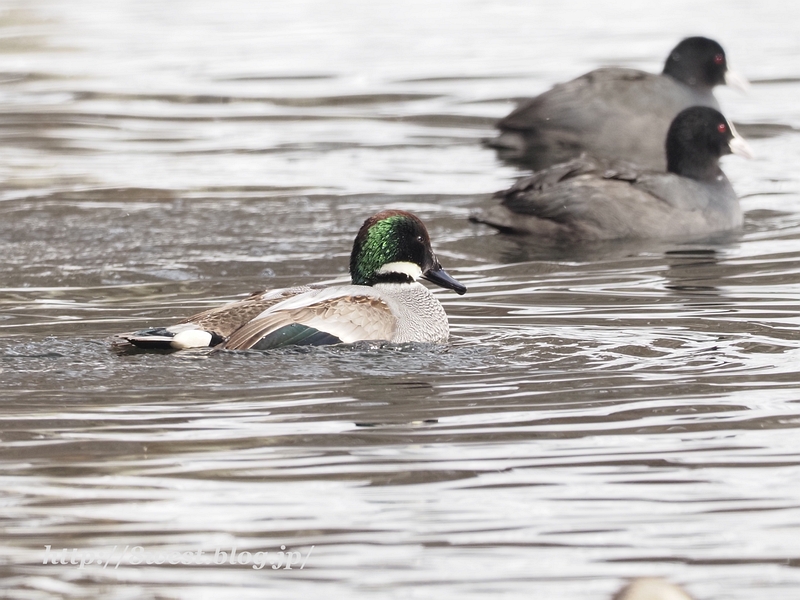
(615, 113)
(589, 199)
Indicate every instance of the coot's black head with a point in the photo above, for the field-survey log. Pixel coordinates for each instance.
(701, 63)
(696, 140)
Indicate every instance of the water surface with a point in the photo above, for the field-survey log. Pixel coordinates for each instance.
(600, 413)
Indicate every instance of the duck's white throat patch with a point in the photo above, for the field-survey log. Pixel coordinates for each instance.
(406, 268)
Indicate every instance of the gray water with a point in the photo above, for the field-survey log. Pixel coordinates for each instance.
(600, 413)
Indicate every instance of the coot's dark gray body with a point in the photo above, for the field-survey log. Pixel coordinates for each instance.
(589, 199)
(614, 113)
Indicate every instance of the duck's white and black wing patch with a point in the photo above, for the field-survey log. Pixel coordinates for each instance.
(177, 337)
(211, 327)
(342, 319)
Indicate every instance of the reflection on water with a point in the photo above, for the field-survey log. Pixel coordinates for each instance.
(601, 412)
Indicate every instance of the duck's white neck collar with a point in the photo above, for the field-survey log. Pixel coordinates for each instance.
(406, 268)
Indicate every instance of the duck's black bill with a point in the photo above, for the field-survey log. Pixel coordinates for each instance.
(440, 277)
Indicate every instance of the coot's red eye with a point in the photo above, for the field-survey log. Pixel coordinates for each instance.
(719, 59)
(722, 128)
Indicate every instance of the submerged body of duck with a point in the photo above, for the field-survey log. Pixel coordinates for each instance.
(385, 301)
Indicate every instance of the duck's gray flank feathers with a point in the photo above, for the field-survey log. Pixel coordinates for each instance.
(348, 315)
(393, 312)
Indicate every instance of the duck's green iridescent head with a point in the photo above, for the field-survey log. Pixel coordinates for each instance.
(393, 246)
